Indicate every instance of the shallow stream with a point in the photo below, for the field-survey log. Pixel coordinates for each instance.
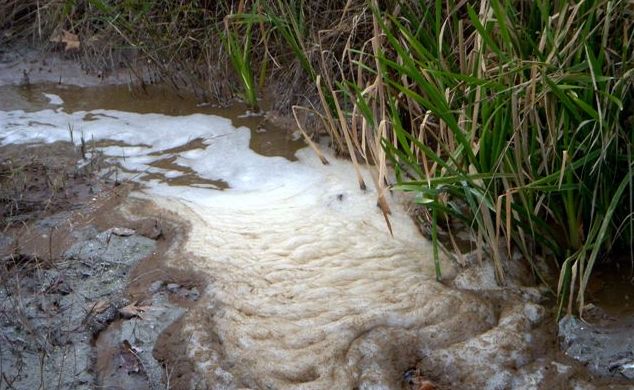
(306, 288)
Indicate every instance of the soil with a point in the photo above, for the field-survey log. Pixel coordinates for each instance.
(38, 181)
(84, 294)
(23, 66)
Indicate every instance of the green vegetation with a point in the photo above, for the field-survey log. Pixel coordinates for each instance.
(236, 39)
(511, 117)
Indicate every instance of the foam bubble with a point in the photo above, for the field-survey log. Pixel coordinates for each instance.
(54, 99)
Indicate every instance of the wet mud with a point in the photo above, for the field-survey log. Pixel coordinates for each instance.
(88, 312)
(37, 181)
(83, 292)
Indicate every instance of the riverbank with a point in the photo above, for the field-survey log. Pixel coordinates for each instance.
(182, 285)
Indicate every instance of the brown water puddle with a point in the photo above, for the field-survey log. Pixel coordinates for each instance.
(611, 288)
(106, 143)
(266, 138)
(194, 144)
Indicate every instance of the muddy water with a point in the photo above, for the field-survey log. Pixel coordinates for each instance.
(611, 287)
(305, 287)
(266, 138)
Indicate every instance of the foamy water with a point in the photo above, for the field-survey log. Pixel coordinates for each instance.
(309, 290)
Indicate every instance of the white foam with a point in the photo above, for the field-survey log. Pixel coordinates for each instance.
(258, 180)
(54, 99)
(141, 134)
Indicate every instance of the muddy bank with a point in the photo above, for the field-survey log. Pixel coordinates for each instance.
(25, 66)
(52, 311)
(39, 181)
(83, 292)
(605, 347)
(90, 316)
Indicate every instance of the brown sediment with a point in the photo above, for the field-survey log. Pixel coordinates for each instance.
(51, 242)
(197, 143)
(105, 143)
(170, 349)
(189, 177)
(170, 233)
